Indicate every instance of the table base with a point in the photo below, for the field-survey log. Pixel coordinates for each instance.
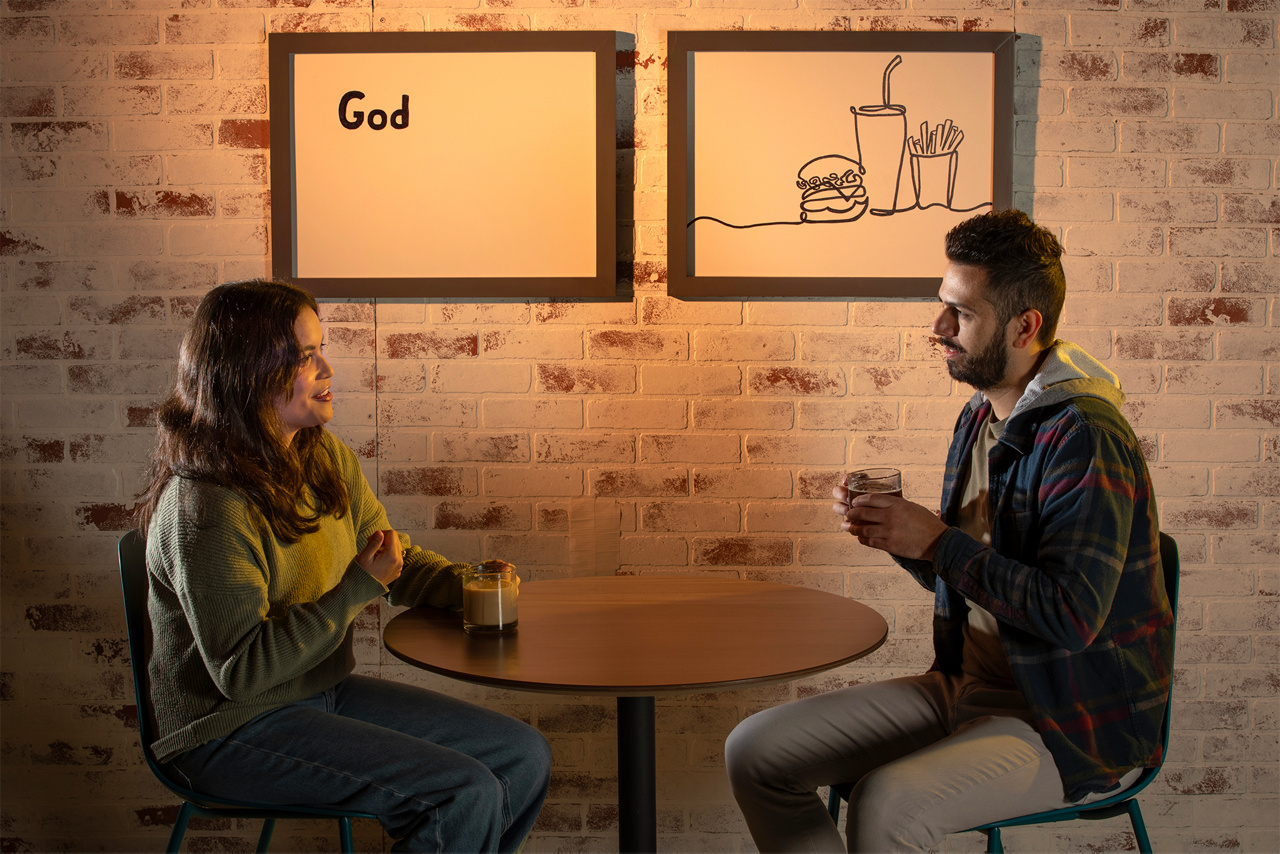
(637, 792)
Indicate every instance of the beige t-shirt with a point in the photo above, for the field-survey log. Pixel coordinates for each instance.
(984, 656)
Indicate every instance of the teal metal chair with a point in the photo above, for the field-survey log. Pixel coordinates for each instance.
(1124, 803)
(133, 577)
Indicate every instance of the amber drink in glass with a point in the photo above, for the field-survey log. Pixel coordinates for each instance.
(883, 481)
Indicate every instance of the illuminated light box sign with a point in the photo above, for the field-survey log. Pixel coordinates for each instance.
(829, 163)
(444, 164)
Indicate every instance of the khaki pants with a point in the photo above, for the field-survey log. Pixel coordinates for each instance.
(929, 755)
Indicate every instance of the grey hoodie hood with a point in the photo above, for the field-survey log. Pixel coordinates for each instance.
(1067, 372)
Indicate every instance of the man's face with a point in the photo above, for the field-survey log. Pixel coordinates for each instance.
(976, 346)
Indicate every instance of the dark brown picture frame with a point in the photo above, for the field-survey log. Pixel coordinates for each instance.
(683, 47)
(284, 47)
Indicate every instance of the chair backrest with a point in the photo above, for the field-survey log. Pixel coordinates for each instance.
(1169, 563)
(133, 578)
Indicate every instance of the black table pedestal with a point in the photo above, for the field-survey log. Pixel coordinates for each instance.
(637, 795)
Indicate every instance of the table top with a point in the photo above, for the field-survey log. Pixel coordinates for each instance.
(644, 635)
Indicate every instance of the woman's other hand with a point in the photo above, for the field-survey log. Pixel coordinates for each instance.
(382, 557)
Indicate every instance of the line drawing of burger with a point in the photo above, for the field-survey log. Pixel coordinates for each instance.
(831, 189)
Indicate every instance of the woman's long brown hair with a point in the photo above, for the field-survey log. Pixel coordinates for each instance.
(220, 425)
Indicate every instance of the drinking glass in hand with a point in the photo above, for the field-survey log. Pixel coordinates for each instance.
(880, 481)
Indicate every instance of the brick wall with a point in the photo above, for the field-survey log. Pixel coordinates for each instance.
(708, 434)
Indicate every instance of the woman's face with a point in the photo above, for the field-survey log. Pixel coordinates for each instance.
(311, 402)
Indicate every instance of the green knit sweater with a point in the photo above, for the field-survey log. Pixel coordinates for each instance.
(243, 623)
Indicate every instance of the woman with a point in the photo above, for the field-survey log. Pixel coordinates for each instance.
(264, 542)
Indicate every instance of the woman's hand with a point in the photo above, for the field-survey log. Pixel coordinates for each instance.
(382, 557)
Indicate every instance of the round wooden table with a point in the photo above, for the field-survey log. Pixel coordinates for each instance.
(635, 637)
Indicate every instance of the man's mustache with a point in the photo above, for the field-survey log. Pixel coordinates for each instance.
(949, 344)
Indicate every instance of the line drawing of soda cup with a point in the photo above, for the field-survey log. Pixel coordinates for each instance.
(881, 134)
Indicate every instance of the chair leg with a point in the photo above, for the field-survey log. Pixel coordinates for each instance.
(994, 845)
(1139, 826)
(264, 838)
(344, 831)
(833, 806)
(179, 828)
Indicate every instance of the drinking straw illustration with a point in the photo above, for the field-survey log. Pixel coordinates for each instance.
(884, 87)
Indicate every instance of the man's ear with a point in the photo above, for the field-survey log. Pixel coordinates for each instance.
(1025, 328)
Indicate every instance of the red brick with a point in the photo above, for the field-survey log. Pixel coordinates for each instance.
(58, 136)
(110, 100)
(117, 379)
(847, 415)
(1145, 172)
(29, 32)
(635, 483)
(742, 414)
(700, 448)
(105, 517)
(645, 344)
(1185, 311)
(843, 347)
(1246, 277)
(64, 344)
(690, 380)
(1168, 137)
(690, 516)
(1117, 101)
(733, 483)
(1168, 206)
(111, 30)
(1252, 208)
(1147, 67)
(244, 133)
(743, 346)
(163, 204)
(574, 311)
(742, 551)
(428, 481)
(131, 309)
(1251, 138)
(1108, 29)
(532, 343)
(32, 449)
(1077, 65)
(28, 102)
(29, 172)
(805, 450)
(430, 345)
(1216, 31)
(590, 448)
(1215, 515)
(218, 99)
(1247, 413)
(795, 381)
(482, 516)
(163, 64)
(480, 447)
(668, 310)
(1218, 242)
(571, 379)
(218, 28)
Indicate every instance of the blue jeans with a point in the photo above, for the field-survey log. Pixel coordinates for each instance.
(440, 774)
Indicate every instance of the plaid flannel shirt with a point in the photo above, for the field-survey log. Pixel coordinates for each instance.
(1073, 573)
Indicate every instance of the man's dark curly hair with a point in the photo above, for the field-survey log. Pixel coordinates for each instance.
(1023, 264)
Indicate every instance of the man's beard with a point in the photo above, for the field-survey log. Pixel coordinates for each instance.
(983, 370)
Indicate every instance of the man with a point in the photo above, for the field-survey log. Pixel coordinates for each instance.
(1052, 631)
